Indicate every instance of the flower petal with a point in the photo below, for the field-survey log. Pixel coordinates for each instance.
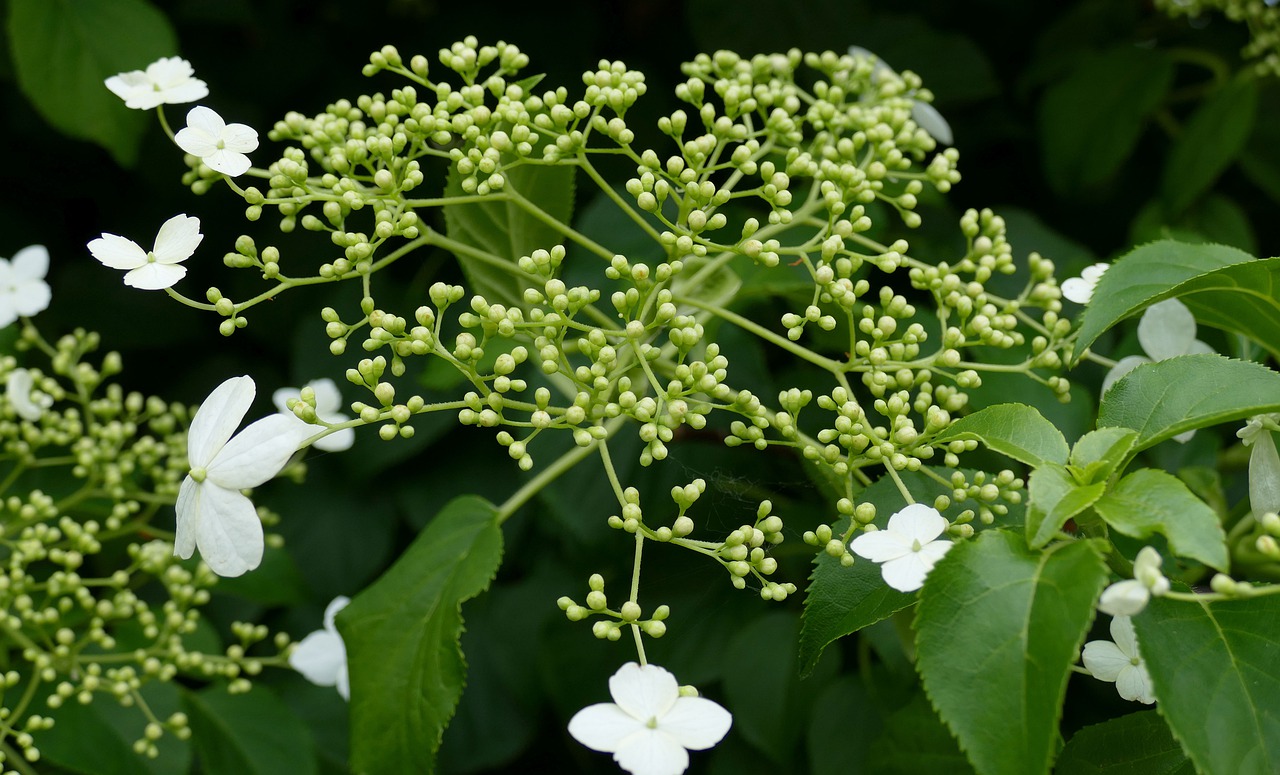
(1124, 636)
(196, 142)
(881, 545)
(206, 121)
(184, 542)
(320, 657)
(32, 296)
(918, 522)
(696, 723)
(240, 137)
(1124, 598)
(177, 239)
(228, 531)
(1264, 475)
(1134, 683)
(644, 691)
(31, 263)
(1104, 660)
(330, 611)
(1122, 367)
(17, 388)
(117, 252)
(227, 162)
(934, 551)
(930, 120)
(1166, 330)
(652, 752)
(217, 418)
(603, 726)
(155, 277)
(328, 398)
(907, 573)
(257, 453)
(344, 682)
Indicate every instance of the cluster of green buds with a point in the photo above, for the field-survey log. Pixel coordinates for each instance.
(804, 167)
(93, 602)
(1262, 18)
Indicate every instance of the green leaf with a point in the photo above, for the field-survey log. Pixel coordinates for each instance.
(1097, 455)
(401, 633)
(248, 734)
(1091, 120)
(1210, 141)
(1015, 430)
(1054, 497)
(1161, 400)
(915, 741)
(63, 50)
(1152, 273)
(499, 233)
(1152, 501)
(843, 600)
(1212, 218)
(1139, 743)
(998, 630)
(1214, 670)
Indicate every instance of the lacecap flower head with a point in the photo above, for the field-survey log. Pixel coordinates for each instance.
(650, 727)
(170, 80)
(23, 291)
(213, 515)
(159, 267)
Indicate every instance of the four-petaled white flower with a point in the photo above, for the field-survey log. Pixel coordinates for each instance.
(155, 269)
(1129, 597)
(321, 657)
(221, 146)
(649, 727)
(1120, 662)
(1264, 463)
(1167, 330)
(170, 80)
(908, 548)
(925, 115)
(28, 402)
(1080, 289)
(23, 291)
(328, 406)
(213, 515)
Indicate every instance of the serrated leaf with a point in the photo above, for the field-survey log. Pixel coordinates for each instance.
(1161, 400)
(401, 633)
(1152, 501)
(505, 231)
(1139, 743)
(1097, 454)
(63, 50)
(999, 628)
(1155, 272)
(841, 600)
(1087, 132)
(1015, 430)
(1212, 138)
(1054, 496)
(1213, 666)
(248, 734)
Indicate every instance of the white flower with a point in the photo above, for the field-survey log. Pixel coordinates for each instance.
(1264, 463)
(165, 81)
(328, 404)
(1167, 330)
(28, 402)
(321, 657)
(1080, 289)
(23, 291)
(221, 146)
(908, 548)
(213, 515)
(1129, 597)
(1120, 662)
(925, 115)
(649, 725)
(152, 271)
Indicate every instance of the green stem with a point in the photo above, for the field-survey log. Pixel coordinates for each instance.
(550, 474)
(732, 317)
